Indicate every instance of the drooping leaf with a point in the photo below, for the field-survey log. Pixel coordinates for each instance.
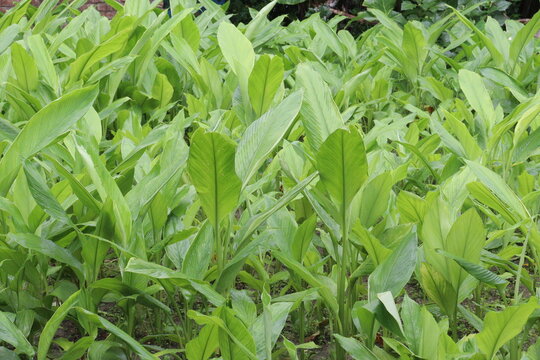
(48, 248)
(476, 270)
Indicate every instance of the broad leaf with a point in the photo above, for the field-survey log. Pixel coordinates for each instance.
(211, 167)
(501, 327)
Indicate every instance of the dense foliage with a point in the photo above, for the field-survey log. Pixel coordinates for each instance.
(182, 188)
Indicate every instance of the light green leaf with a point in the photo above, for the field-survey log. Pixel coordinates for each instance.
(522, 38)
(113, 329)
(497, 185)
(414, 48)
(501, 327)
(320, 114)
(342, 166)
(47, 248)
(162, 90)
(263, 135)
(24, 67)
(229, 348)
(355, 348)
(264, 82)
(10, 334)
(438, 289)
(199, 254)
(375, 198)
(395, 271)
(43, 60)
(476, 93)
(43, 129)
(47, 335)
(84, 63)
(495, 54)
(420, 328)
(204, 345)
(465, 239)
(211, 167)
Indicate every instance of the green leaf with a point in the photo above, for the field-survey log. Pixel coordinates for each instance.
(211, 168)
(113, 329)
(355, 348)
(499, 187)
(47, 335)
(480, 273)
(43, 129)
(106, 187)
(484, 195)
(264, 82)
(466, 239)
(153, 270)
(263, 135)
(325, 32)
(522, 38)
(226, 278)
(501, 327)
(84, 63)
(309, 278)
(12, 335)
(302, 238)
(527, 146)
(204, 345)
(395, 271)
(414, 48)
(162, 90)
(375, 198)
(238, 52)
(43, 60)
(77, 350)
(438, 289)
(320, 114)
(236, 49)
(24, 67)
(476, 93)
(495, 54)
(198, 256)
(268, 326)
(420, 329)
(385, 6)
(47, 248)
(342, 166)
(43, 196)
(376, 251)
(229, 347)
(411, 207)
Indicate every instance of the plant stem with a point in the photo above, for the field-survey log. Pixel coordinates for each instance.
(520, 268)
(342, 283)
(302, 330)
